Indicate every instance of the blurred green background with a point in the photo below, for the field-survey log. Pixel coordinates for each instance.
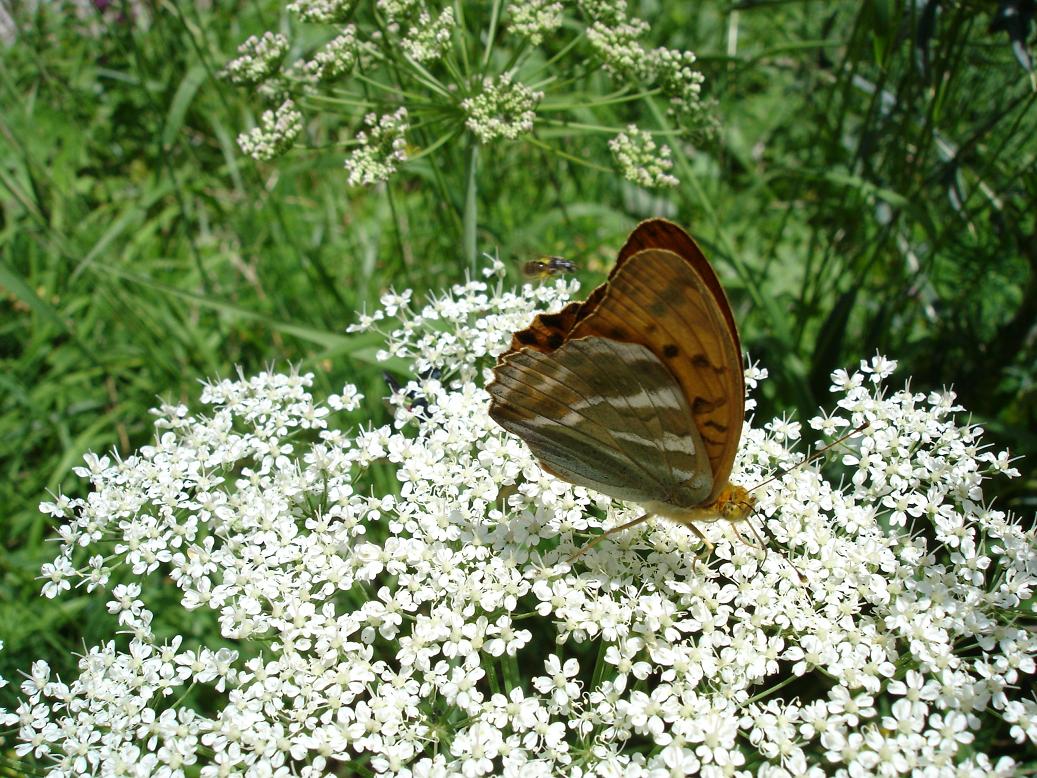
(871, 188)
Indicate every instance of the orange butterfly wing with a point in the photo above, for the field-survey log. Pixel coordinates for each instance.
(663, 234)
(664, 294)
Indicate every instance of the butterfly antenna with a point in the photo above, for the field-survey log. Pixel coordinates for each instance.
(782, 473)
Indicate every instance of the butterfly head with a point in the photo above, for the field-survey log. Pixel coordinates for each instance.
(734, 503)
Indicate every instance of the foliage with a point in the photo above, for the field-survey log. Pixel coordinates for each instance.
(870, 186)
(448, 95)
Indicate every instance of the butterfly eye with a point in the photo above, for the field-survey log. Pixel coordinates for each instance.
(737, 510)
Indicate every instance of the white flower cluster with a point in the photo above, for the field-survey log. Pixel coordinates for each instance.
(533, 19)
(428, 38)
(616, 40)
(679, 79)
(641, 160)
(396, 10)
(337, 57)
(619, 47)
(504, 109)
(259, 58)
(326, 11)
(607, 11)
(383, 58)
(400, 601)
(381, 147)
(277, 131)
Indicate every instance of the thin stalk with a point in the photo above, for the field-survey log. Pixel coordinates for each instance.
(509, 665)
(564, 155)
(491, 34)
(470, 219)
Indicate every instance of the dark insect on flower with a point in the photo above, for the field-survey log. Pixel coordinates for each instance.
(547, 266)
(412, 400)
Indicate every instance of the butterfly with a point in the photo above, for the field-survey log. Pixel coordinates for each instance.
(638, 391)
(547, 266)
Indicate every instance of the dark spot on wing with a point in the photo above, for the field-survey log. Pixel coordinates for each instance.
(618, 332)
(702, 405)
(555, 341)
(670, 351)
(551, 319)
(711, 441)
(526, 337)
(701, 361)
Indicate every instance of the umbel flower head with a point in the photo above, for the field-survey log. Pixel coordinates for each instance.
(471, 75)
(396, 599)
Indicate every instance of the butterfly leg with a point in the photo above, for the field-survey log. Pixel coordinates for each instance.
(701, 536)
(707, 545)
(587, 546)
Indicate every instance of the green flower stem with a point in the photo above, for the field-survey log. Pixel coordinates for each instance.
(491, 34)
(599, 665)
(316, 101)
(576, 126)
(394, 90)
(533, 141)
(471, 207)
(509, 666)
(491, 677)
(616, 98)
(466, 66)
(767, 692)
(427, 150)
(433, 83)
(562, 53)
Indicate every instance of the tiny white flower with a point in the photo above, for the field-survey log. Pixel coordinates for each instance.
(277, 132)
(259, 58)
(390, 588)
(380, 148)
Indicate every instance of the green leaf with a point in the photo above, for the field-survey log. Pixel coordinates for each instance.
(181, 102)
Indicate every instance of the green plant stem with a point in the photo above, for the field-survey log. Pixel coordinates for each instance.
(509, 666)
(470, 218)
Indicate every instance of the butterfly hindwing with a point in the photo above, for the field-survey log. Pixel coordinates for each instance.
(547, 331)
(606, 415)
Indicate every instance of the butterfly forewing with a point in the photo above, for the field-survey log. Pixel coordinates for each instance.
(663, 234)
(606, 415)
(658, 299)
